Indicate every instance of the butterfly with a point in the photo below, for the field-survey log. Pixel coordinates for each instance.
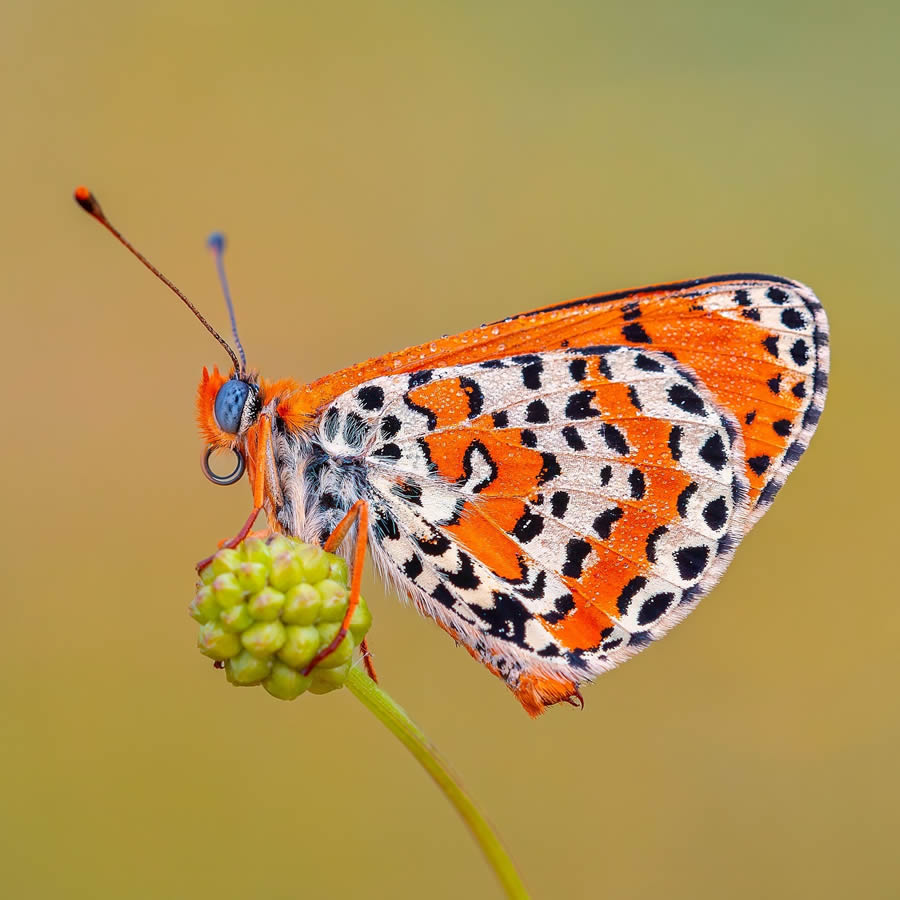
(557, 489)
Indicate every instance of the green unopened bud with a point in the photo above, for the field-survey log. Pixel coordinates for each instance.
(236, 618)
(301, 605)
(226, 590)
(286, 683)
(360, 621)
(264, 638)
(251, 576)
(326, 680)
(279, 544)
(246, 668)
(315, 563)
(334, 600)
(286, 571)
(266, 604)
(226, 560)
(256, 550)
(204, 607)
(301, 645)
(337, 570)
(217, 643)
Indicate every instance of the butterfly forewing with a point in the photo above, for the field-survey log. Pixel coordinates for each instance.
(759, 343)
(555, 510)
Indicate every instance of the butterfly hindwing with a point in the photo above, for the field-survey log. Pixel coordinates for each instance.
(555, 511)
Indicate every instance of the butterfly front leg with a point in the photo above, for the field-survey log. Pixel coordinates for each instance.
(358, 515)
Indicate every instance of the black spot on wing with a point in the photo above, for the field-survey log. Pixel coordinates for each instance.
(559, 503)
(388, 451)
(370, 397)
(436, 544)
(531, 373)
(635, 333)
(637, 483)
(412, 568)
(528, 438)
(578, 406)
(465, 577)
(713, 452)
(631, 311)
(654, 607)
(417, 379)
(715, 514)
(771, 344)
(647, 363)
(578, 369)
(675, 436)
(390, 427)
(472, 390)
(793, 319)
(573, 438)
(506, 619)
(629, 591)
(500, 419)
(528, 526)
(331, 422)
(577, 551)
(782, 427)
(800, 352)
(537, 413)
(562, 607)
(686, 399)
(549, 469)
(615, 440)
(603, 524)
(356, 430)
(691, 561)
(759, 464)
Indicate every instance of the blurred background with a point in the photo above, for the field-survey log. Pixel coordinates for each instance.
(387, 173)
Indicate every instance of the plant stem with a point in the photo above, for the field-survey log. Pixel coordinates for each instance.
(406, 731)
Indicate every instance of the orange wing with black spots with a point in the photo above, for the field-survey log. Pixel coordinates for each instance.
(555, 512)
(759, 344)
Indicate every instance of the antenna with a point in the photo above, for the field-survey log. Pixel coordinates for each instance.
(88, 202)
(216, 243)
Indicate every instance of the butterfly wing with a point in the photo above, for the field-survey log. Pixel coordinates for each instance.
(759, 344)
(553, 511)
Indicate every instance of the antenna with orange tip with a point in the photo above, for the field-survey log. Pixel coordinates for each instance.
(88, 202)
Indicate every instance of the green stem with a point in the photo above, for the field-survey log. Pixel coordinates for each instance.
(406, 731)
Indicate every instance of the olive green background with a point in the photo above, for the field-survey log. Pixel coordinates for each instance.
(387, 173)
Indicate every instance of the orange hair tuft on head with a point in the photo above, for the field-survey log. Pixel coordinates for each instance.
(206, 398)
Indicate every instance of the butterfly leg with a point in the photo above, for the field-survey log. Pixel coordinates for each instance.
(259, 489)
(358, 515)
(367, 659)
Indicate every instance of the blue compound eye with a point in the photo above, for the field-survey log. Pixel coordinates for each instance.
(229, 405)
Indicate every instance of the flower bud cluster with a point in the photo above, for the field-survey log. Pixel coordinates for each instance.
(265, 609)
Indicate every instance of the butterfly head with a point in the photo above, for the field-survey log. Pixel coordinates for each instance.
(227, 407)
